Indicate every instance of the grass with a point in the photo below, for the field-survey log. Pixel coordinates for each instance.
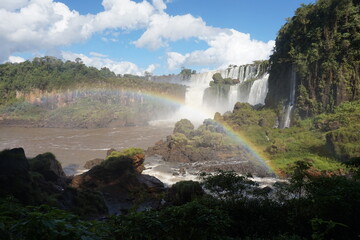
(306, 140)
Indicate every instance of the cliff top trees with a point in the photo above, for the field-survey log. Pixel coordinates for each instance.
(323, 41)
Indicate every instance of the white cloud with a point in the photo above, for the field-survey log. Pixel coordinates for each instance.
(175, 60)
(44, 25)
(151, 68)
(15, 59)
(163, 28)
(40, 25)
(159, 5)
(30, 26)
(13, 4)
(123, 14)
(122, 67)
(225, 48)
(96, 54)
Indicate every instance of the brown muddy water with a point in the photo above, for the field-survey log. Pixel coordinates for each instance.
(73, 147)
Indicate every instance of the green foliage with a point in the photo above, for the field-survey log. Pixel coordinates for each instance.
(245, 115)
(184, 126)
(119, 162)
(43, 222)
(219, 80)
(209, 139)
(299, 175)
(74, 94)
(322, 41)
(325, 139)
(193, 220)
(128, 152)
(227, 185)
(186, 73)
(183, 192)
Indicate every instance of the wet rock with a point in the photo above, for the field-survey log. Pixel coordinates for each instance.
(14, 175)
(120, 181)
(91, 163)
(47, 165)
(151, 183)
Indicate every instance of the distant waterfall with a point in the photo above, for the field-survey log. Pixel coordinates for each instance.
(201, 98)
(291, 101)
(252, 87)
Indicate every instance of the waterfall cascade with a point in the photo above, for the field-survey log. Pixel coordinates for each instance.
(291, 102)
(252, 88)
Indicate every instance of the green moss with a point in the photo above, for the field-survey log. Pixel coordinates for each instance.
(129, 152)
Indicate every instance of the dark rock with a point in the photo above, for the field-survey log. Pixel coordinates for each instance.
(13, 162)
(47, 165)
(182, 171)
(151, 183)
(120, 181)
(14, 175)
(91, 163)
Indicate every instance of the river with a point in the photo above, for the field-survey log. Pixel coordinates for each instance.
(73, 147)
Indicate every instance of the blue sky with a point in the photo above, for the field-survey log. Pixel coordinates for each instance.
(158, 36)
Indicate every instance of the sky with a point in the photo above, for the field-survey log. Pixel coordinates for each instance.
(138, 36)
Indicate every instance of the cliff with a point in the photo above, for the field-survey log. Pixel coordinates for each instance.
(320, 46)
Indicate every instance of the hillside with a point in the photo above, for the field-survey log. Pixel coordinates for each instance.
(49, 92)
(321, 45)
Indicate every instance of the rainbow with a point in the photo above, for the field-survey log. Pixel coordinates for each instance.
(235, 135)
(168, 99)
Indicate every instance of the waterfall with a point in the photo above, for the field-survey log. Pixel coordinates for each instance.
(291, 101)
(201, 98)
(258, 91)
(252, 88)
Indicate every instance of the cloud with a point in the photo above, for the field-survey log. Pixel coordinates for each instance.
(13, 4)
(151, 68)
(15, 59)
(30, 26)
(164, 28)
(45, 25)
(40, 25)
(225, 48)
(96, 54)
(123, 14)
(100, 61)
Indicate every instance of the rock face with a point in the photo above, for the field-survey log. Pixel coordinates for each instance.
(113, 185)
(206, 149)
(31, 181)
(14, 175)
(92, 163)
(321, 44)
(47, 165)
(120, 181)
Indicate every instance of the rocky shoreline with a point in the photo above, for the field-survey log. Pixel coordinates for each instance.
(111, 187)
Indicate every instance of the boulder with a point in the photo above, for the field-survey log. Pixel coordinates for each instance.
(47, 165)
(15, 179)
(92, 163)
(120, 181)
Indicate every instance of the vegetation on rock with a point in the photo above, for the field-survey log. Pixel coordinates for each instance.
(326, 139)
(232, 207)
(218, 79)
(321, 44)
